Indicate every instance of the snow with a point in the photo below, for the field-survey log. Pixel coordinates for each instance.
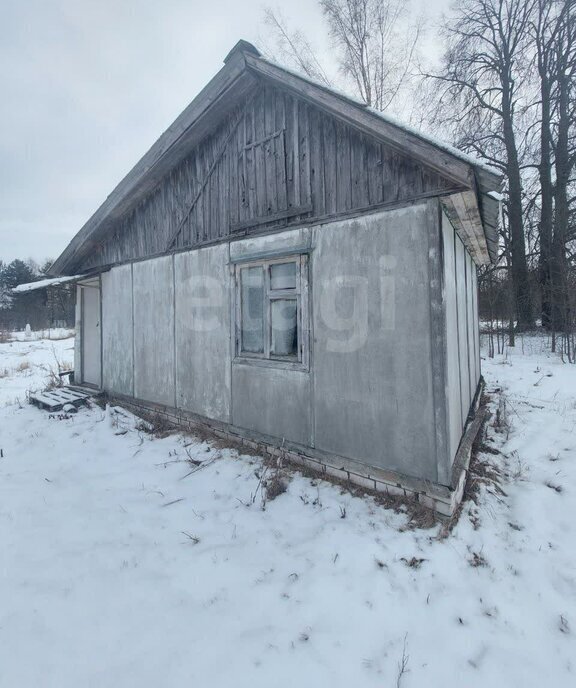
(49, 282)
(106, 579)
(53, 333)
(437, 142)
(26, 363)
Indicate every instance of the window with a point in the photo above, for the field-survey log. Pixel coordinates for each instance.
(272, 310)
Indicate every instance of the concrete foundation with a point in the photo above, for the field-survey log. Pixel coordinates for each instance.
(443, 500)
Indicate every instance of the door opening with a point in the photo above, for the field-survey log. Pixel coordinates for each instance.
(91, 335)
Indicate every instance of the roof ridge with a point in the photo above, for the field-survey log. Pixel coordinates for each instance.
(240, 48)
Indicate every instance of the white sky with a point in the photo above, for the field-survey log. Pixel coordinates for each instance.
(87, 87)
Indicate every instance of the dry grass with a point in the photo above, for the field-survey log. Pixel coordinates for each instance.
(101, 400)
(413, 562)
(275, 485)
(54, 381)
(25, 365)
(477, 560)
(482, 472)
(501, 418)
(278, 473)
(152, 423)
(161, 426)
(418, 516)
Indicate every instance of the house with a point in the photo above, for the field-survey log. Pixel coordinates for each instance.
(287, 266)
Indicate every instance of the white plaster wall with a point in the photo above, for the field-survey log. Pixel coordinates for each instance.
(372, 360)
(462, 332)
(273, 401)
(476, 324)
(461, 298)
(203, 331)
(117, 331)
(292, 239)
(154, 330)
(453, 389)
(472, 317)
(368, 394)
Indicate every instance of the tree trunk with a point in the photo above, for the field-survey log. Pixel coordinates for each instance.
(519, 267)
(546, 210)
(560, 314)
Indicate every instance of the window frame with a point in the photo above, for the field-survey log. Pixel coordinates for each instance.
(299, 294)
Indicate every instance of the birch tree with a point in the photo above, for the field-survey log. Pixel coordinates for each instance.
(292, 47)
(375, 45)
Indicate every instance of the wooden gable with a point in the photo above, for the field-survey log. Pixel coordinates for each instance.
(276, 161)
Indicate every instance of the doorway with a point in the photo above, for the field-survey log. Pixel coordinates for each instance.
(91, 334)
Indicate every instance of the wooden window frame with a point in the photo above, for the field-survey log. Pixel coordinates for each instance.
(299, 294)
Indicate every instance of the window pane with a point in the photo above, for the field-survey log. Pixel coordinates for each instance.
(284, 327)
(283, 276)
(252, 310)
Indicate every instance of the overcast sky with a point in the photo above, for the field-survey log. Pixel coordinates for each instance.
(88, 85)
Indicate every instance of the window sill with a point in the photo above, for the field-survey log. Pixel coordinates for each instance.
(271, 363)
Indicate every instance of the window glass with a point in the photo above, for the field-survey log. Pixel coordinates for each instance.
(252, 310)
(284, 327)
(283, 276)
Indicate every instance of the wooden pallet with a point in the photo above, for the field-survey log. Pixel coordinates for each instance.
(56, 399)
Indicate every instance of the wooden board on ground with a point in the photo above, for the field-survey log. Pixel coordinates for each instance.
(57, 398)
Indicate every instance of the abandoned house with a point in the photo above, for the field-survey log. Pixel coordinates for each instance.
(287, 266)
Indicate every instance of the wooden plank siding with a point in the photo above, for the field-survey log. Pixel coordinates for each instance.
(275, 155)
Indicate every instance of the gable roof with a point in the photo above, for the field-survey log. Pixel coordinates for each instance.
(244, 68)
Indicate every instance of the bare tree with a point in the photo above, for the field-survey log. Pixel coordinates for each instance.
(292, 48)
(564, 158)
(376, 43)
(505, 91)
(552, 28)
(544, 42)
(483, 75)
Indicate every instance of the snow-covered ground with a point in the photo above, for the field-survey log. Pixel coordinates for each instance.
(124, 564)
(29, 360)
